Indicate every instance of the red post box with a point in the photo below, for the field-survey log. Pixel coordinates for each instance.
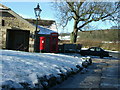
(42, 43)
(54, 42)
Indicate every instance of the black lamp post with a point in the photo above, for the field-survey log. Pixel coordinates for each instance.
(37, 11)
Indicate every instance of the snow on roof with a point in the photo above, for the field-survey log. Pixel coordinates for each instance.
(1, 7)
(45, 30)
(27, 67)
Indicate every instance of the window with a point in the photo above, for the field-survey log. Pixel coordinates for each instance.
(3, 22)
(98, 49)
(92, 49)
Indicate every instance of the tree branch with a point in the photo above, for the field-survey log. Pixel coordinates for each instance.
(70, 4)
(93, 20)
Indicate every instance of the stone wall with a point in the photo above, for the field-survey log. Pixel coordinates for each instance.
(3, 38)
(0, 38)
(13, 23)
(16, 23)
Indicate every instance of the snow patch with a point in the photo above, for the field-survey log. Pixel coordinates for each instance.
(27, 67)
(45, 30)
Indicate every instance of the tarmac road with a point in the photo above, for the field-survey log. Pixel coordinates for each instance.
(103, 73)
(115, 54)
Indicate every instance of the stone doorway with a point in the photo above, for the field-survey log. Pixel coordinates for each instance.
(17, 40)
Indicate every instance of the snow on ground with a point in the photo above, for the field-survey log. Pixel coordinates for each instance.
(64, 37)
(27, 67)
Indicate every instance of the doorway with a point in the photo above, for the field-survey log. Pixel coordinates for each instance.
(17, 39)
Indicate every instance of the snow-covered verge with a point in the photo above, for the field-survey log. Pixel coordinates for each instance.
(36, 70)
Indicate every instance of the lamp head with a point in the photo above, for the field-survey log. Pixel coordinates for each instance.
(37, 10)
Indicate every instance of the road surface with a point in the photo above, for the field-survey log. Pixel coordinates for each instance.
(115, 54)
(103, 73)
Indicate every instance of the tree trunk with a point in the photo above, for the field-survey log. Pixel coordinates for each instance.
(74, 33)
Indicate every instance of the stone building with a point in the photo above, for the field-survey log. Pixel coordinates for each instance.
(17, 33)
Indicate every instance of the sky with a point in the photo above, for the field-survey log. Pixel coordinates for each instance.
(26, 10)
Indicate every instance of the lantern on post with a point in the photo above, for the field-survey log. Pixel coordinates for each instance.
(37, 11)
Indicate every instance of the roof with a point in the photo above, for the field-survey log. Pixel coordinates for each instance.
(41, 22)
(45, 30)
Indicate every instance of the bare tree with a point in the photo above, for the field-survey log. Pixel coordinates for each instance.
(84, 12)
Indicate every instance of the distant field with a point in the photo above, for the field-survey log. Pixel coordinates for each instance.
(107, 39)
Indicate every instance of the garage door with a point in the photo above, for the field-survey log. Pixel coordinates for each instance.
(17, 40)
